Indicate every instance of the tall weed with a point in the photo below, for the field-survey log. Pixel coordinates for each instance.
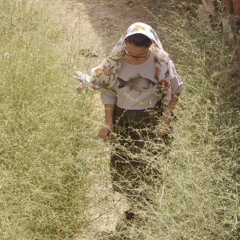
(46, 132)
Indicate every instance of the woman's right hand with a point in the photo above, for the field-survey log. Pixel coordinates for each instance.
(106, 133)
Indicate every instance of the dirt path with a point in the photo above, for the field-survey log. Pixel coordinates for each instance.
(94, 25)
(91, 27)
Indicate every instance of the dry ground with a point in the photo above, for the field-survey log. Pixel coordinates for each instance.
(92, 26)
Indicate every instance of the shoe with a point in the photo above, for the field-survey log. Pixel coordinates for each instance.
(124, 226)
(129, 215)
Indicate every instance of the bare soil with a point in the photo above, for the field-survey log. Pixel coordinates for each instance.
(104, 21)
(111, 18)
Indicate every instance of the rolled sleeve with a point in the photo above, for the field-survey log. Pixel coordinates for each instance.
(176, 83)
(109, 96)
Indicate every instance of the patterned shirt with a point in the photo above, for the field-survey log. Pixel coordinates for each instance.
(137, 87)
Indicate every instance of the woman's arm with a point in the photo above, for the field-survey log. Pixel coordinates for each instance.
(167, 115)
(109, 110)
(106, 133)
(164, 123)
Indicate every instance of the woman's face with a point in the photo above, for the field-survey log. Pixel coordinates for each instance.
(136, 54)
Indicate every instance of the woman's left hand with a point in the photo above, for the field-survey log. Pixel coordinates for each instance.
(163, 127)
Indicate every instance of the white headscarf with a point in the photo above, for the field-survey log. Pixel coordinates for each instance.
(105, 75)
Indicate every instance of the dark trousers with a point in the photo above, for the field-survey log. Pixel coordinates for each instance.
(132, 165)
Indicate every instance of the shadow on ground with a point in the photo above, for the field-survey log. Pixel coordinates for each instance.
(111, 18)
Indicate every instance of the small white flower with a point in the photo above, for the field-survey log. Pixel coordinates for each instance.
(83, 77)
(84, 80)
(7, 55)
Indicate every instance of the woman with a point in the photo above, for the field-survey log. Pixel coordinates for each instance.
(140, 88)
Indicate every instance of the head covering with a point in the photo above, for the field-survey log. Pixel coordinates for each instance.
(105, 75)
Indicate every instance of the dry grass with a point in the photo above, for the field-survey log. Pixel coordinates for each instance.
(49, 155)
(46, 129)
